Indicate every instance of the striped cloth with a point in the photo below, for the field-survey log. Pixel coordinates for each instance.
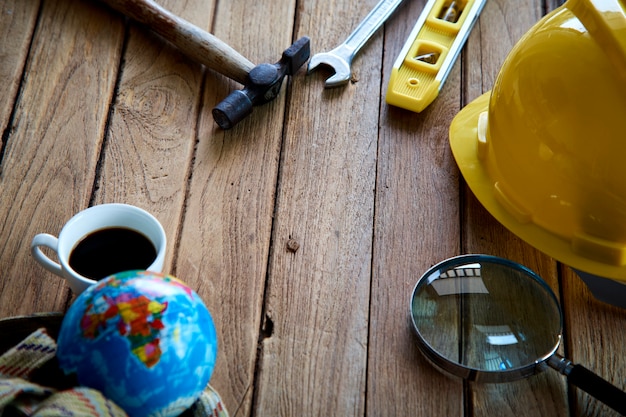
(19, 397)
(28, 355)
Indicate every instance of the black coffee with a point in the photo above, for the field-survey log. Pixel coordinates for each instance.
(108, 251)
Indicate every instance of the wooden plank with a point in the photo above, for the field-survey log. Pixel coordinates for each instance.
(17, 24)
(225, 240)
(317, 297)
(149, 148)
(595, 331)
(51, 153)
(416, 226)
(501, 25)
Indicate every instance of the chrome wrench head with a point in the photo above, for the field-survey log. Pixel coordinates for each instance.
(341, 57)
(332, 60)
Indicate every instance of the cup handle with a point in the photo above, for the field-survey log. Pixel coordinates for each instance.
(48, 241)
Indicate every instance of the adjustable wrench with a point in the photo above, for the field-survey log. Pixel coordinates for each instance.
(340, 58)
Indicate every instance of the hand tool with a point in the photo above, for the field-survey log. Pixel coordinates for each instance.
(261, 83)
(340, 58)
(502, 323)
(430, 52)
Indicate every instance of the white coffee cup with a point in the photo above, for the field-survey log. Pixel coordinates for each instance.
(93, 220)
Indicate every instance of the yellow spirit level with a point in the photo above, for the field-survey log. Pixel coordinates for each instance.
(430, 51)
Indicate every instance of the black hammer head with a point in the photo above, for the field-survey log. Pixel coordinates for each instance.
(263, 85)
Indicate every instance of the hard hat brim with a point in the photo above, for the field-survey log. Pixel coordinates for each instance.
(464, 144)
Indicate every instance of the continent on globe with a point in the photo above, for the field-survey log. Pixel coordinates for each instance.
(136, 317)
(144, 339)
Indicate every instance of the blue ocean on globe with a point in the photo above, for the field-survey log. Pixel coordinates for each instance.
(145, 340)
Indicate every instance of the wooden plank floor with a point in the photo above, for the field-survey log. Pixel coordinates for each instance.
(96, 109)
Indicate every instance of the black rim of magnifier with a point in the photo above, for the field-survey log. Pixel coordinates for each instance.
(576, 374)
(466, 372)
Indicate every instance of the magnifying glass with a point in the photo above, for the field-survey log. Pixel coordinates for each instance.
(488, 319)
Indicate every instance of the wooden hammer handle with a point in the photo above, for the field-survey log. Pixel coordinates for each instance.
(191, 40)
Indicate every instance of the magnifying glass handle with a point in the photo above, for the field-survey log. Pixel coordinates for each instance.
(604, 391)
(591, 383)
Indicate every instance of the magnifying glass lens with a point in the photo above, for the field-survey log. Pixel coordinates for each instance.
(482, 317)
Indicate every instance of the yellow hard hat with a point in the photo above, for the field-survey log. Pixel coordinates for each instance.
(545, 150)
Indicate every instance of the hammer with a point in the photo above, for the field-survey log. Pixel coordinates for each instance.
(261, 83)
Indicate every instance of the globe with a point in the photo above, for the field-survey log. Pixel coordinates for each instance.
(145, 340)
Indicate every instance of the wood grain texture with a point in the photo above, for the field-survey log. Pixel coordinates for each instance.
(50, 158)
(153, 126)
(595, 332)
(304, 228)
(416, 226)
(317, 298)
(226, 233)
(17, 24)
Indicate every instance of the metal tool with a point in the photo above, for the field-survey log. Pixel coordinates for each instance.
(488, 319)
(430, 52)
(261, 83)
(340, 58)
